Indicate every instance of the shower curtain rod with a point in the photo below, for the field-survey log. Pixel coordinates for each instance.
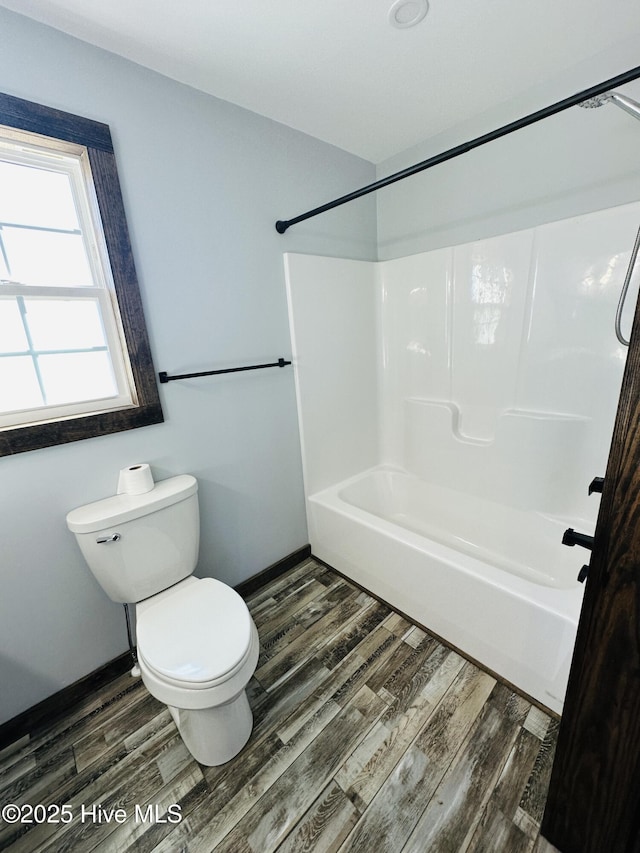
(457, 150)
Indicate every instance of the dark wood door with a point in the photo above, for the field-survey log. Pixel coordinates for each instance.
(594, 796)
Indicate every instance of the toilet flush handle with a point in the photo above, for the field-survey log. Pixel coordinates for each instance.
(115, 537)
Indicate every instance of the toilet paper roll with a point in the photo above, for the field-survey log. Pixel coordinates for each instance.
(135, 480)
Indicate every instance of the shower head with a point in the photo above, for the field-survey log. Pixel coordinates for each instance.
(627, 104)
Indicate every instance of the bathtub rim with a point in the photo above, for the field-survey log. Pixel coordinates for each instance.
(562, 601)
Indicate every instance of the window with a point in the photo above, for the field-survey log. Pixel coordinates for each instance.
(74, 352)
(61, 350)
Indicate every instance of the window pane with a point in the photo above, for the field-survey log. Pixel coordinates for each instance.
(65, 323)
(12, 335)
(21, 185)
(46, 258)
(73, 377)
(19, 387)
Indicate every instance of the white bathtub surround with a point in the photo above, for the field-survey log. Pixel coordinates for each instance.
(332, 317)
(477, 387)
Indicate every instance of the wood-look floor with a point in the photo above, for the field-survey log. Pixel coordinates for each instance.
(369, 736)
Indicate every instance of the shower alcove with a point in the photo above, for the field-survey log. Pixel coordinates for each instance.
(454, 407)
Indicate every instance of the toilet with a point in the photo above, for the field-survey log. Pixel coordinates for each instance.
(197, 643)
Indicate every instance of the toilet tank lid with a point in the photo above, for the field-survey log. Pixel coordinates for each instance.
(120, 508)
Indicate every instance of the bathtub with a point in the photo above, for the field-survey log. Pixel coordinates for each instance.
(492, 581)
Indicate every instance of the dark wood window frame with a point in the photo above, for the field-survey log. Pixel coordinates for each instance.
(96, 138)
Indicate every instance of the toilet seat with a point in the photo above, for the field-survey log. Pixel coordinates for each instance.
(193, 685)
(197, 636)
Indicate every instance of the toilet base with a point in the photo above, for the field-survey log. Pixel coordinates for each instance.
(215, 735)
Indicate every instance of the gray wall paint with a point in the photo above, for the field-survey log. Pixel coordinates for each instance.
(575, 162)
(203, 182)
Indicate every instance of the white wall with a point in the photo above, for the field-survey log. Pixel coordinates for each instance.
(203, 183)
(575, 162)
(333, 316)
(502, 367)
(491, 367)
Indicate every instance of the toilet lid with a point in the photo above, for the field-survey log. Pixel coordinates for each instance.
(198, 634)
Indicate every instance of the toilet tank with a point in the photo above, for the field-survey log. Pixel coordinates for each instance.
(138, 545)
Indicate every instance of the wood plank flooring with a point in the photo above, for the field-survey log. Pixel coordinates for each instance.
(369, 735)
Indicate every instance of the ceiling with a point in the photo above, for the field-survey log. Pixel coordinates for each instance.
(337, 69)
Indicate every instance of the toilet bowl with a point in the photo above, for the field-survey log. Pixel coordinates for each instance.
(197, 650)
(196, 641)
